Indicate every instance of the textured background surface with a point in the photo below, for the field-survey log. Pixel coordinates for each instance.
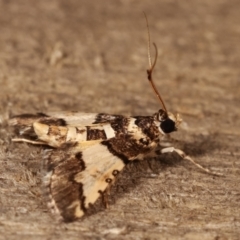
(74, 55)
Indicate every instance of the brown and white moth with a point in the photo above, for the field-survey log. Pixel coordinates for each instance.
(89, 150)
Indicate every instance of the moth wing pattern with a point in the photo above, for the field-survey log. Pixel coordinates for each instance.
(77, 174)
(56, 128)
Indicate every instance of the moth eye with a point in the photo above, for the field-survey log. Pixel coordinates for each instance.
(115, 173)
(168, 126)
(108, 180)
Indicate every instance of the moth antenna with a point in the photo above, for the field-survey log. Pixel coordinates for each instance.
(151, 66)
(148, 37)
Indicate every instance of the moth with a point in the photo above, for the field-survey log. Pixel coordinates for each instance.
(89, 150)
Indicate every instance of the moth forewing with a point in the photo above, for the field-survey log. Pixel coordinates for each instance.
(77, 175)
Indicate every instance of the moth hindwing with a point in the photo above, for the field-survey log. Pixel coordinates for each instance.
(89, 150)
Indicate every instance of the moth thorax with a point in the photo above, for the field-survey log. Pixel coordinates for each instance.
(168, 121)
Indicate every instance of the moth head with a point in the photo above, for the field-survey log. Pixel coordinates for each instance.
(168, 121)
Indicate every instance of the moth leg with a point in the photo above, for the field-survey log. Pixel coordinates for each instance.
(186, 157)
(28, 141)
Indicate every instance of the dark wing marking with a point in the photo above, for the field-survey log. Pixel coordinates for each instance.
(77, 175)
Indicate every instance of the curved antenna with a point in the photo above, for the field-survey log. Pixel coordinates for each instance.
(149, 72)
(151, 66)
(148, 36)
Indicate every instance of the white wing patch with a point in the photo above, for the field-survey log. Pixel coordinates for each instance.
(101, 169)
(110, 133)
